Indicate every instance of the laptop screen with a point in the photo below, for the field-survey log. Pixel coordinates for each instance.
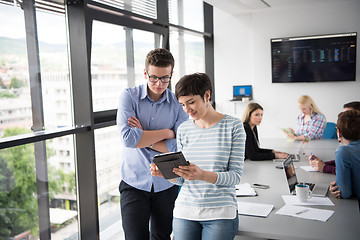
(242, 91)
(290, 173)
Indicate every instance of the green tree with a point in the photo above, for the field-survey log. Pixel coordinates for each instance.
(7, 94)
(2, 85)
(18, 202)
(16, 83)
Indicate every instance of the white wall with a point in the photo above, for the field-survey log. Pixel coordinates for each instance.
(242, 56)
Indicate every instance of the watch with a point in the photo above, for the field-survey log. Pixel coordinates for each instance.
(151, 145)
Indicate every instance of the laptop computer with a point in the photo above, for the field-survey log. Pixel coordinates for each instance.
(240, 92)
(296, 156)
(318, 189)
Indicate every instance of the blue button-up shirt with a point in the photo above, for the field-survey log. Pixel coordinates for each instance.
(166, 113)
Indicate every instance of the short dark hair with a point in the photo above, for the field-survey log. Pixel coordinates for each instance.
(353, 105)
(159, 57)
(348, 124)
(193, 84)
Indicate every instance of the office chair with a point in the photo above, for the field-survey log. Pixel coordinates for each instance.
(330, 131)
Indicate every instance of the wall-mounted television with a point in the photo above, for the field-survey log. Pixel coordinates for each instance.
(321, 58)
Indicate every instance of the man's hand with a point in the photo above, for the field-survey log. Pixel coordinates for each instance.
(334, 189)
(134, 122)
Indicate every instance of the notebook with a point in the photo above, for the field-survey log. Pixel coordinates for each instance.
(318, 189)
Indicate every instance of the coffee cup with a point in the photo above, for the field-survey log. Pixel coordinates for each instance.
(303, 192)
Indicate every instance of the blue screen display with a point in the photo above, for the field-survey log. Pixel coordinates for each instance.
(242, 91)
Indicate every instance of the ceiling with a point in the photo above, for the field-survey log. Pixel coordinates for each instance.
(248, 6)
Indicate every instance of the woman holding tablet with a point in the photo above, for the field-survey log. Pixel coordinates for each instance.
(311, 122)
(252, 117)
(214, 144)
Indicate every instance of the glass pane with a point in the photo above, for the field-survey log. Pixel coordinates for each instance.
(15, 101)
(145, 8)
(19, 211)
(189, 54)
(144, 42)
(18, 189)
(108, 159)
(108, 65)
(62, 188)
(54, 70)
(187, 13)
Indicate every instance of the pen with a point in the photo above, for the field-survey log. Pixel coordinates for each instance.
(302, 211)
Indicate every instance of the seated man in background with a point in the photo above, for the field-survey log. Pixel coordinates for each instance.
(347, 157)
(329, 166)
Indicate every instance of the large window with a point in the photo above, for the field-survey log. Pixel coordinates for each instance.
(108, 65)
(15, 101)
(60, 150)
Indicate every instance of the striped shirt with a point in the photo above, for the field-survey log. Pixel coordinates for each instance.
(312, 129)
(219, 149)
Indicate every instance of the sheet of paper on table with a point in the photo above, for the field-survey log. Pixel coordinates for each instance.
(245, 190)
(254, 209)
(292, 200)
(306, 213)
(309, 168)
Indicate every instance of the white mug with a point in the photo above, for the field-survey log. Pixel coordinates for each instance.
(303, 192)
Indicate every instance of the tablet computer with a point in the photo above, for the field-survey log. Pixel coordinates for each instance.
(166, 162)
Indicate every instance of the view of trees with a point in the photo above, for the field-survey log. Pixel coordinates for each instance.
(18, 201)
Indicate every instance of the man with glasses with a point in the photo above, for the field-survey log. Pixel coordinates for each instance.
(148, 117)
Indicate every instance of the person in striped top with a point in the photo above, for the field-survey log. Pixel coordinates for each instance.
(214, 144)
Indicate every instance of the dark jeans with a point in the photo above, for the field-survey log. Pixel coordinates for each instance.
(138, 207)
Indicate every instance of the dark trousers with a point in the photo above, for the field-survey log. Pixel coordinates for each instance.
(139, 207)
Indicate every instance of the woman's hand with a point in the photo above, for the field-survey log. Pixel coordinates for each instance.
(316, 163)
(280, 155)
(334, 189)
(190, 172)
(155, 170)
(193, 172)
(134, 122)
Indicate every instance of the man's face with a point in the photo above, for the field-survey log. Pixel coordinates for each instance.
(157, 88)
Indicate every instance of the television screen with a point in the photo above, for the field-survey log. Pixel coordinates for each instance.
(322, 58)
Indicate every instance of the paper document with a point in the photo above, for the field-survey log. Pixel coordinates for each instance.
(306, 213)
(245, 190)
(254, 209)
(309, 168)
(292, 200)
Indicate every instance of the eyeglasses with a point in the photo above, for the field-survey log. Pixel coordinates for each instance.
(155, 79)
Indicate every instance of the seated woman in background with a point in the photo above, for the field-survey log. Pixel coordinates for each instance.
(252, 117)
(311, 122)
(329, 166)
(347, 157)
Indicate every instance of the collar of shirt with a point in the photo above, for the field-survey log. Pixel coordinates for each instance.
(302, 116)
(144, 94)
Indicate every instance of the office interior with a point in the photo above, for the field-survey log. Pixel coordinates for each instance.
(233, 41)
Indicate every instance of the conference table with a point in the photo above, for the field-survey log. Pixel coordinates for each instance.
(344, 222)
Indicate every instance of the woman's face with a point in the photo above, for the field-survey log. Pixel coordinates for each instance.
(306, 110)
(256, 117)
(195, 106)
